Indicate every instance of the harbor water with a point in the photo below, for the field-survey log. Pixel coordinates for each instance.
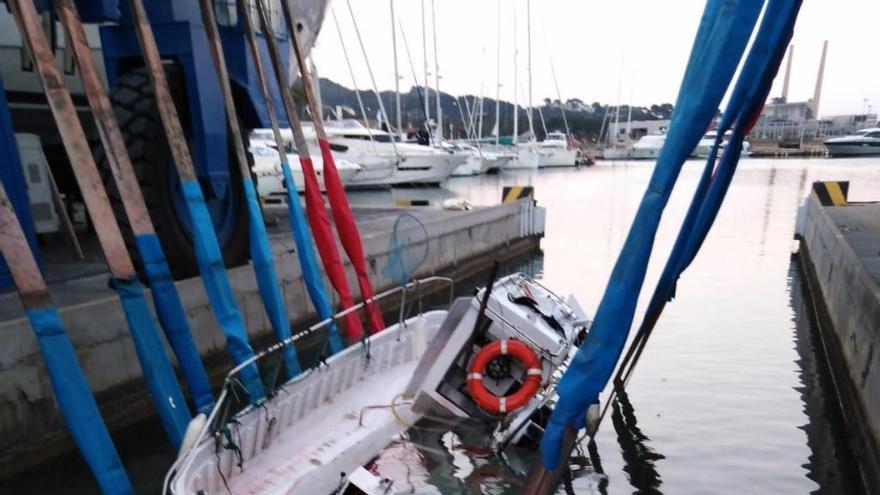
(731, 396)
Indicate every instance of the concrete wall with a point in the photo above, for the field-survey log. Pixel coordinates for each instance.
(30, 426)
(851, 297)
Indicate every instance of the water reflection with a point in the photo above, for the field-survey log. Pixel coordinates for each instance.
(830, 463)
(638, 457)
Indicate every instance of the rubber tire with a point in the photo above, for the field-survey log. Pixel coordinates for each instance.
(138, 117)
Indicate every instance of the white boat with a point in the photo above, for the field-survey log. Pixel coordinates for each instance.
(335, 418)
(704, 147)
(648, 147)
(865, 142)
(479, 160)
(556, 152)
(415, 164)
(267, 167)
(617, 153)
(527, 157)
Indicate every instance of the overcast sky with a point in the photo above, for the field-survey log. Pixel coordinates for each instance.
(586, 41)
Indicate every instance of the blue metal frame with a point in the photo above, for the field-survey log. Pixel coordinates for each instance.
(181, 38)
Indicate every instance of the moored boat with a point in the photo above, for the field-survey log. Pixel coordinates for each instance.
(556, 152)
(648, 147)
(865, 142)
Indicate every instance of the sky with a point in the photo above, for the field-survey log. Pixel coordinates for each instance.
(632, 51)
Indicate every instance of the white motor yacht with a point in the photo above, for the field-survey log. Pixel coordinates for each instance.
(865, 142)
(415, 164)
(267, 167)
(648, 147)
(704, 147)
(556, 152)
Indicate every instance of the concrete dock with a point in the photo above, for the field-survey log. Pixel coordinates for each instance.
(840, 253)
(31, 429)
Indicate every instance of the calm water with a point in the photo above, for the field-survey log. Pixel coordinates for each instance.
(730, 396)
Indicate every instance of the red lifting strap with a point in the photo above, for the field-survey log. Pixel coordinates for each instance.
(349, 234)
(326, 244)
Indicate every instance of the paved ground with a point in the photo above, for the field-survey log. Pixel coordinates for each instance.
(860, 225)
(72, 281)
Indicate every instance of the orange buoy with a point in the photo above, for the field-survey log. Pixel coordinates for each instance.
(491, 402)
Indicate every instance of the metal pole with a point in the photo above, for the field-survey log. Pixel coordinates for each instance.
(437, 76)
(498, 82)
(425, 60)
(396, 73)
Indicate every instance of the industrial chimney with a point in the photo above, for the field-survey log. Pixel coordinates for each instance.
(817, 93)
(787, 75)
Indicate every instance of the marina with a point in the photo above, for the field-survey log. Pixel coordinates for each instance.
(224, 272)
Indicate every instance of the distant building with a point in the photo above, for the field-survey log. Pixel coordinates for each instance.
(639, 128)
(783, 111)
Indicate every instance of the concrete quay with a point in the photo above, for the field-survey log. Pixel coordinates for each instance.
(840, 254)
(31, 430)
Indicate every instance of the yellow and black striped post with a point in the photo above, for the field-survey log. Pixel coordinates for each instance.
(513, 193)
(831, 193)
(406, 203)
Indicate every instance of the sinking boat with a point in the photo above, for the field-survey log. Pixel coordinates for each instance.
(494, 356)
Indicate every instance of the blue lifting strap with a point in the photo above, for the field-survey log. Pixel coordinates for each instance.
(158, 373)
(77, 404)
(217, 286)
(267, 278)
(307, 259)
(172, 319)
(724, 31)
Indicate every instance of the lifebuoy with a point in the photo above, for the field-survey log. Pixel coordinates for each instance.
(491, 402)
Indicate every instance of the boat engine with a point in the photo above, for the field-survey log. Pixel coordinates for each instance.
(499, 355)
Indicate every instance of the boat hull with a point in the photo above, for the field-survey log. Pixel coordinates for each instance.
(558, 158)
(853, 149)
(616, 154)
(326, 421)
(525, 159)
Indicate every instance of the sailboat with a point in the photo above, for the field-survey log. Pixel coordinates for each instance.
(527, 156)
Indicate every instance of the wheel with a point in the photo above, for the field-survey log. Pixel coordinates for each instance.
(134, 104)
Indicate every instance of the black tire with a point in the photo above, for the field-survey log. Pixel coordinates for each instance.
(134, 105)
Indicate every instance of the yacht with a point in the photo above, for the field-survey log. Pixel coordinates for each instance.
(556, 152)
(374, 148)
(527, 157)
(648, 147)
(617, 153)
(705, 145)
(479, 160)
(267, 167)
(865, 142)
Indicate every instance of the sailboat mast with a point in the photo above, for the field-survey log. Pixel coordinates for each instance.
(515, 85)
(498, 82)
(436, 74)
(425, 60)
(529, 52)
(396, 73)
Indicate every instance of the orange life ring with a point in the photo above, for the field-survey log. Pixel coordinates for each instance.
(491, 402)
